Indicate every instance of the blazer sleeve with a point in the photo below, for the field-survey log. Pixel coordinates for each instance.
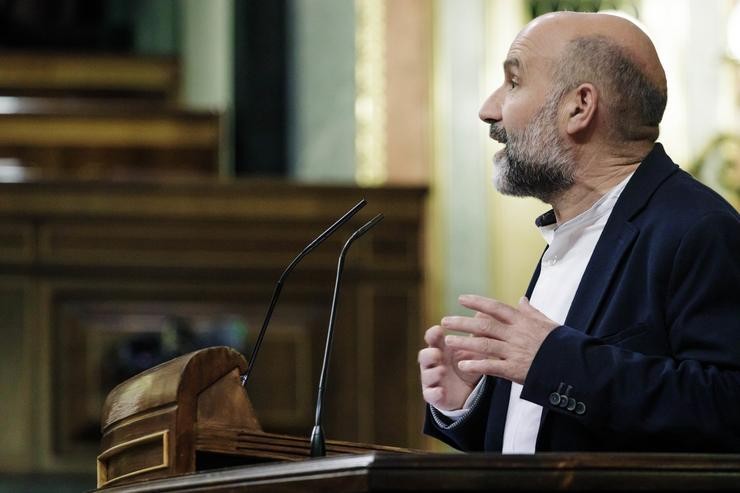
(692, 396)
(468, 431)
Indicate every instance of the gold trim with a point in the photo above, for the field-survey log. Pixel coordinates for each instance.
(370, 93)
(153, 437)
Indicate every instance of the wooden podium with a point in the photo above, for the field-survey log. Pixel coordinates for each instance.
(188, 414)
(167, 429)
(381, 472)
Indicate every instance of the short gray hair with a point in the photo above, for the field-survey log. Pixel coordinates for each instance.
(635, 103)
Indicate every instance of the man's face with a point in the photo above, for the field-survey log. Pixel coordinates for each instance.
(523, 114)
(535, 161)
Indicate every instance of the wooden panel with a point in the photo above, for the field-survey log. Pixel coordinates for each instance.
(16, 241)
(470, 472)
(70, 74)
(15, 418)
(145, 457)
(118, 264)
(394, 308)
(111, 131)
(251, 201)
(285, 390)
(107, 139)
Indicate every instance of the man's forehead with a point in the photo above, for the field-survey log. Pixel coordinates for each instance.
(537, 42)
(527, 57)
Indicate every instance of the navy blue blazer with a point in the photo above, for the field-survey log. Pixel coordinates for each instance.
(649, 356)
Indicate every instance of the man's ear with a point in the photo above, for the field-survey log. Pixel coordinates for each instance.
(581, 104)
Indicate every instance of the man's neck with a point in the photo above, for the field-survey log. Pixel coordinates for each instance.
(592, 183)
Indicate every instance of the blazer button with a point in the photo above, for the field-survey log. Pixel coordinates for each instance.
(554, 398)
(563, 400)
(580, 408)
(571, 404)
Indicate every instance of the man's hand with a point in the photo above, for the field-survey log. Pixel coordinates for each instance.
(444, 385)
(507, 339)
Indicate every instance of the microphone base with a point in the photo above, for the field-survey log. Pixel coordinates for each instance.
(318, 444)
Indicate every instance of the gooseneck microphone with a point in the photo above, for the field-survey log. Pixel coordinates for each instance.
(318, 444)
(279, 286)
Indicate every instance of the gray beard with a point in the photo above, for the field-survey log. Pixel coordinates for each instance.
(535, 162)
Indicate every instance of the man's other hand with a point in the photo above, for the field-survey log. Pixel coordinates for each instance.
(507, 339)
(444, 385)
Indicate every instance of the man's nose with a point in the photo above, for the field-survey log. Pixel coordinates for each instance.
(490, 112)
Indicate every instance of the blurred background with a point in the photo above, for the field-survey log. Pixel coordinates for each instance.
(161, 161)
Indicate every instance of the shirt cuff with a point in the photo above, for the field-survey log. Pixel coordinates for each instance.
(472, 398)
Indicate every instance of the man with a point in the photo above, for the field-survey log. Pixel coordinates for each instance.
(629, 337)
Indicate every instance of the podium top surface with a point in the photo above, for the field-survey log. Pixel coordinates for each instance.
(471, 472)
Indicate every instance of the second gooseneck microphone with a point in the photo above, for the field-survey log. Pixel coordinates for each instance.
(318, 443)
(279, 286)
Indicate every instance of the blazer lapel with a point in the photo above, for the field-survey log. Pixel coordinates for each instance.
(613, 245)
(617, 238)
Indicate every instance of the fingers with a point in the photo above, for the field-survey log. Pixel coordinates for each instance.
(479, 345)
(500, 311)
(496, 368)
(433, 395)
(432, 377)
(435, 337)
(430, 357)
(480, 326)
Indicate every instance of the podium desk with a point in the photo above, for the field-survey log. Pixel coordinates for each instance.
(464, 472)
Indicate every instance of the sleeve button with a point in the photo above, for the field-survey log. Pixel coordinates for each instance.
(571, 404)
(580, 408)
(555, 399)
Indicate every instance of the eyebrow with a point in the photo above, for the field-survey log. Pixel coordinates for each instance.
(512, 62)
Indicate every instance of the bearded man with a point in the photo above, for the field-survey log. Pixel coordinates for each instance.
(628, 338)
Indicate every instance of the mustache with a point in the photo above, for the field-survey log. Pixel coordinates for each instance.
(498, 133)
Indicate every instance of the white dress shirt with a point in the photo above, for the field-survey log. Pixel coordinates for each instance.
(563, 264)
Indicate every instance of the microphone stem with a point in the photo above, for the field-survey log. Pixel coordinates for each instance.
(258, 343)
(329, 340)
(318, 445)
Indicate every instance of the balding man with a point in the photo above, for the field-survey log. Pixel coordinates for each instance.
(629, 336)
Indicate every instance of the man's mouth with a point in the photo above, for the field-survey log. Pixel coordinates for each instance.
(498, 133)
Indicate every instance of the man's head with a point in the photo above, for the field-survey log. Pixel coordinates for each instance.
(576, 86)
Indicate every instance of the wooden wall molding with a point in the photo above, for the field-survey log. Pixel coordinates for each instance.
(91, 252)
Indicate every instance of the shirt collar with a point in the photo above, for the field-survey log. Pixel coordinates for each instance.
(547, 222)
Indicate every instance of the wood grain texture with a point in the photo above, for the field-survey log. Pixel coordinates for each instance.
(213, 247)
(108, 139)
(60, 74)
(183, 378)
(224, 422)
(473, 472)
(200, 387)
